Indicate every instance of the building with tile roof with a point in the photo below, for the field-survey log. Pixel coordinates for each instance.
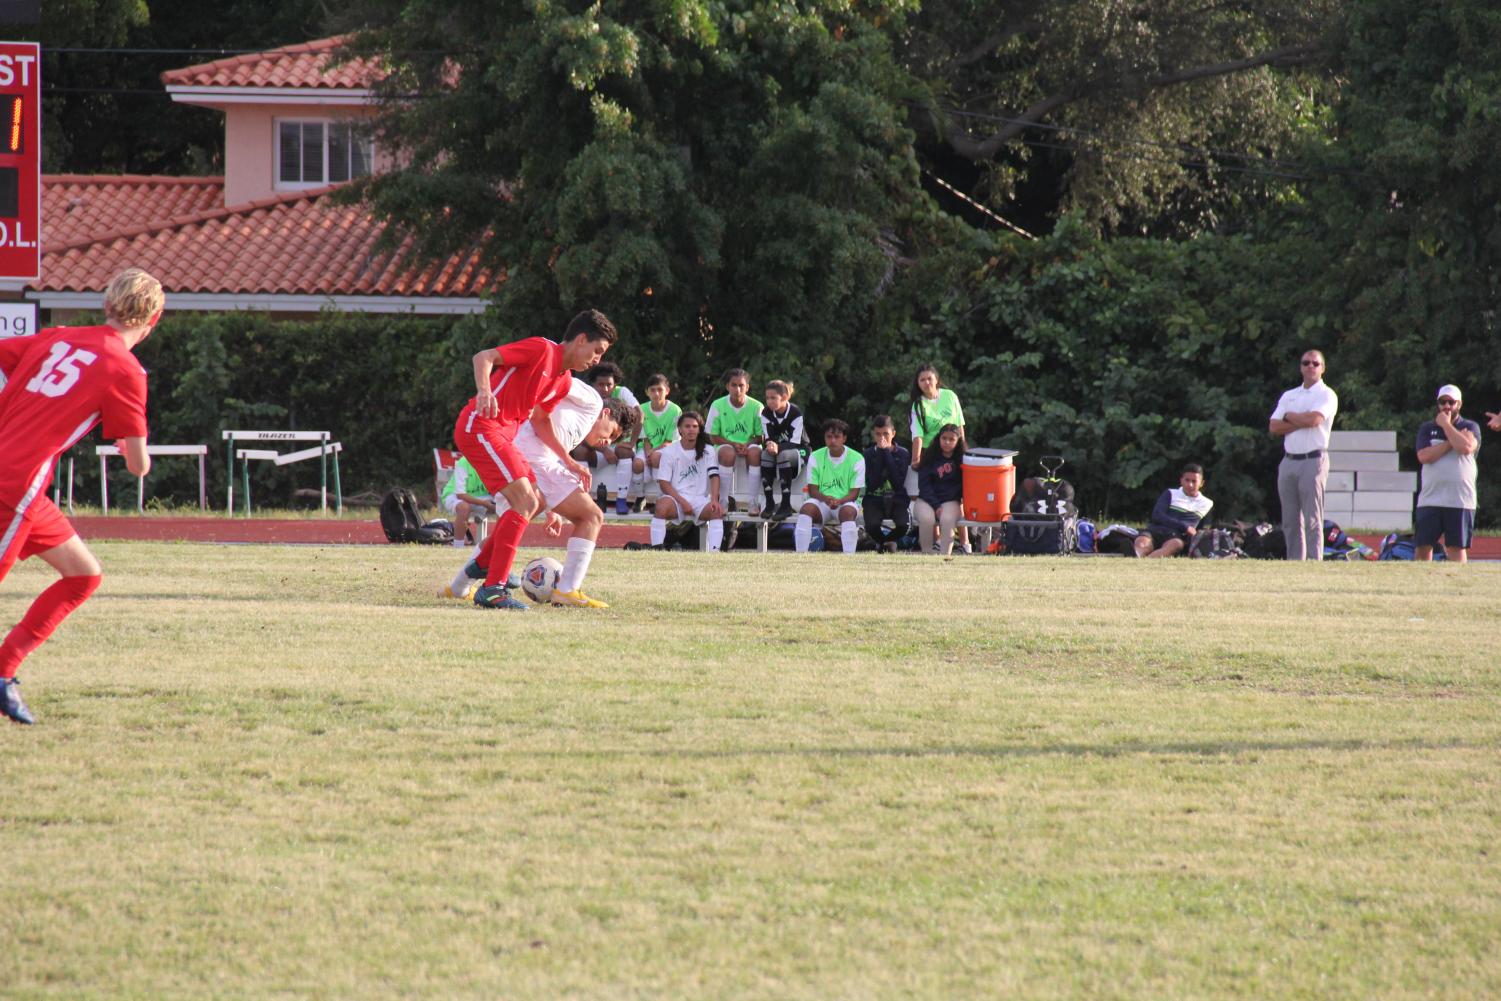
(266, 235)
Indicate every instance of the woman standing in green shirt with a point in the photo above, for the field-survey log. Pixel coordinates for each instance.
(933, 406)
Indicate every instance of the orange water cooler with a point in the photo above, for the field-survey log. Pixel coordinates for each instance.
(989, 483)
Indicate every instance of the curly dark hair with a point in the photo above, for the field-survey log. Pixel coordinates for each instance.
(625, 416)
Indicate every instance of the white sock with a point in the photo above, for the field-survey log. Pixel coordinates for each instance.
(725, 476)
(658, 531)
(576, 564)
(753, 480)
(462, 582)
(623, 477)
(716, 534)
(802, 533)
(849, 535)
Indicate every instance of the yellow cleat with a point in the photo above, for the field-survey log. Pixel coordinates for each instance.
(447, 591)
(575, 599)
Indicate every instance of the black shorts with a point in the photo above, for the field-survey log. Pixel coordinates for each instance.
(1160, 537)
(1456, 525)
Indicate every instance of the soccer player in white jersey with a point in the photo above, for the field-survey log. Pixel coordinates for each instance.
(581, 417)
(689, 480)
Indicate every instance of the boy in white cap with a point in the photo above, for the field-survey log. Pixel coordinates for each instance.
(1447, 446)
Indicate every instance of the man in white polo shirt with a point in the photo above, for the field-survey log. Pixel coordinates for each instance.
(1303, 418)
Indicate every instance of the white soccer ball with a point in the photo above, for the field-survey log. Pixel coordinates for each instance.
(540, 577)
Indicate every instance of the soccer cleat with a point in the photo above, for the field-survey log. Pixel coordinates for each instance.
(622, 506)
(575, 599)
(784, 510)
(447, 592)
(10, 701)
(476, 572)
(498, 596)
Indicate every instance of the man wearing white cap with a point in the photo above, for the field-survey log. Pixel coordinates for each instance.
(1302, 419)
(1446, 503)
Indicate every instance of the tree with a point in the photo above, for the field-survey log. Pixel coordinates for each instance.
(1158, 116)
(730, 181)
(106, 110)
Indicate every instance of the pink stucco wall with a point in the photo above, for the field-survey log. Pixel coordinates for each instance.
(250, 146)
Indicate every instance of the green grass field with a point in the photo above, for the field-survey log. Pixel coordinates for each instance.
(276, 771)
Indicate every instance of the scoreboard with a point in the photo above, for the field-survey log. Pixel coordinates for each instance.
(20, 160)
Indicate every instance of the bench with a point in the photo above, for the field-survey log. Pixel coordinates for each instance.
(739, 492)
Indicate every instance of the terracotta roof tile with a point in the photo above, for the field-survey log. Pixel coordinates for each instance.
(302, 65)
(78, 206)
(297, 244)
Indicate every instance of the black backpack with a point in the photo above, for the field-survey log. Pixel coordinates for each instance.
(1048, 494)
(401, 520)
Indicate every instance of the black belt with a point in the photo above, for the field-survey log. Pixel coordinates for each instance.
(1304, 455)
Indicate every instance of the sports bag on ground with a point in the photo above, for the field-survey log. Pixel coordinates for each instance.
(1041, 534)
(401, 520)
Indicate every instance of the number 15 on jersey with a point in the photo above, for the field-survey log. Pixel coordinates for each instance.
(60, 371)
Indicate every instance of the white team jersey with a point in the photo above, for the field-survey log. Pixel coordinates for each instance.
(688, 474)
(574, 418)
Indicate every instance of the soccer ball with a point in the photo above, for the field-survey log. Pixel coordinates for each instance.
(540, 577)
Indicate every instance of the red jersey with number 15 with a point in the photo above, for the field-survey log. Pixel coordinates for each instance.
(530, 374)
(58, 385)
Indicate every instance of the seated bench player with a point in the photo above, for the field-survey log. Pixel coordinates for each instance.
(836, 478)
(1176, 516)
(581, 416)
(689, 480)
(465, 497)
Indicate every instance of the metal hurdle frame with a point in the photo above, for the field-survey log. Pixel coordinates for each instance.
(105, 451)
(323, 450)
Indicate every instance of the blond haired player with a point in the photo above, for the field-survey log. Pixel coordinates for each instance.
(581, 417)
(59, 384)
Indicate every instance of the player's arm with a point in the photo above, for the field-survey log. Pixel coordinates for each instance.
(857, 487)
(484, 400)
(548, 436)
(137, 459)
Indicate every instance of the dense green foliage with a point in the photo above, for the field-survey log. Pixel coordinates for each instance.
(388, 387)
(741, 184)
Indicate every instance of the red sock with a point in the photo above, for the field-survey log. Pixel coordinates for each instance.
(45, 614)
(502, 545)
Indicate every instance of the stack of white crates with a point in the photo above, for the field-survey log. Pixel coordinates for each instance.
(1366, 489)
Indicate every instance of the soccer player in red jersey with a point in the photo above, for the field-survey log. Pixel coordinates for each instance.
(59, 384)
(512, 383)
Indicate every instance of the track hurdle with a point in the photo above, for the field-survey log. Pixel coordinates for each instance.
(322, 450)
(105, 451)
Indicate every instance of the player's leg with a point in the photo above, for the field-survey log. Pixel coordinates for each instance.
(624, 467)
(948, 517)
(768, 480)
(789, 464)
(849, 527)
(726, 474)
(714, 527)
(524, 504)
(587, 520)
(47, 534)
(802, 532)
(753, 477)
(666, 510)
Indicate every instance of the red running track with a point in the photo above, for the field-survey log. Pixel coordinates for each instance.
(303, 531)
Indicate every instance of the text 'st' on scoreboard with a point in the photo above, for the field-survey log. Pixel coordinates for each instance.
(20, 160)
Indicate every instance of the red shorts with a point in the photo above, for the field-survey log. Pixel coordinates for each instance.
(490, 448)
(39, 529)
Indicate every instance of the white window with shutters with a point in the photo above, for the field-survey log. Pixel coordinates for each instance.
(313, 153)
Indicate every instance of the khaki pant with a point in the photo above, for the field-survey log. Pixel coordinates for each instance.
(1300, 485)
